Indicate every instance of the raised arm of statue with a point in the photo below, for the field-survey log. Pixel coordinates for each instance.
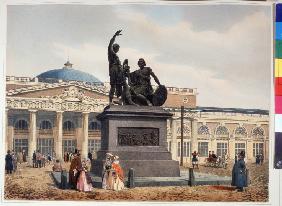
(110, 47)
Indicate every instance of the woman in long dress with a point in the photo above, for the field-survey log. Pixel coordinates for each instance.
(84, 182)
(20, 157)
(118, 175)
(108, 178)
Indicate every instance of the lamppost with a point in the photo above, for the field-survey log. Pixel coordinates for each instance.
(181, 128)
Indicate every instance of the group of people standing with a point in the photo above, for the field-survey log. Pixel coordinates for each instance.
(113, 175)
(39, 159)
(12, 159)
(79, 177)
(68, 156)
(259, 159)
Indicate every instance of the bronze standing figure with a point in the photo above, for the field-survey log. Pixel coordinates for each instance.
(115, 68)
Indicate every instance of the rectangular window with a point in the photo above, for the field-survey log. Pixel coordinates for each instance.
(20, 145)
(221, 149)
(94, 145)
(178, 149)
(169, 146)
(257, 149)
(240, 147)
(203, 149)
(69, 145)
(45, 145)
(186, 149)
(186, 152)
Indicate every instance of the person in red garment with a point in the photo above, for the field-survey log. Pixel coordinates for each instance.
(119, 174)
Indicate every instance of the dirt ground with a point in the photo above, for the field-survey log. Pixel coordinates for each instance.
(37, 184)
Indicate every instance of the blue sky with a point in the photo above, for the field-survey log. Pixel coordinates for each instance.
(222, 50)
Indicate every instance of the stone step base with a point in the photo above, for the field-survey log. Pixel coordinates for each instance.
(143, 168)
(136, 155)
(201, 179)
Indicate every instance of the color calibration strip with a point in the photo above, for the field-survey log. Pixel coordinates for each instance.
(278, 88)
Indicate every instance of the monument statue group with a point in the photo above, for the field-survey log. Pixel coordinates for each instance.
(133, 125)
(132, 88)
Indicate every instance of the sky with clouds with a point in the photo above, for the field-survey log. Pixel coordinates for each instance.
(222, 50)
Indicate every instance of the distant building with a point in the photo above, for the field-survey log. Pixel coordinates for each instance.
(56, 112)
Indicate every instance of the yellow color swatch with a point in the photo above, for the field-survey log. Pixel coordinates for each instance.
(278, 68)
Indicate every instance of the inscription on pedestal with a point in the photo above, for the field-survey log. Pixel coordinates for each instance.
(138, 136)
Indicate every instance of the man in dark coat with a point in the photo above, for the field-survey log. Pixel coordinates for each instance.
(34, 159)
(234, 171)
(75, 168)
(9, 163)
(90, 156)
(239, 176)
(24, 156)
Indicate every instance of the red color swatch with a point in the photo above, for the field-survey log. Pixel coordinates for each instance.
(278, 104)
(278, 86)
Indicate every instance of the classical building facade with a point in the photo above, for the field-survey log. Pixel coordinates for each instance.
(56, 112)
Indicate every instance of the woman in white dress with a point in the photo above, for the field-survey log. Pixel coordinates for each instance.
(118, 175)
(108, 178)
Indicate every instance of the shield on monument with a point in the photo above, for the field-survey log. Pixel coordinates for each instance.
(159, 96)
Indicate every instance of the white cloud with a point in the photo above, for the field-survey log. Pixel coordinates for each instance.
(229, 67)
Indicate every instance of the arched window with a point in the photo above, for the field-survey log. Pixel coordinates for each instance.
(258, 131)
(21, 125)
(45, 124)
(203, 130)
(68, 126)
(221, 130)
(94, 126)
(240, 131)
(186, 129)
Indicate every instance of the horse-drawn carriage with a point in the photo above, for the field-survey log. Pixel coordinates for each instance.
(216, 162)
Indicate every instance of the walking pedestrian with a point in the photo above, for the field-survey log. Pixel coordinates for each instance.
(239, 176)
(14, 161)
(195, 159)
(24, 156)
(49, 158)
(34, 159)
(9, 162)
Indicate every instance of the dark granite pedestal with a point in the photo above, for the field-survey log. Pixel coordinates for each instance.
(138, 135)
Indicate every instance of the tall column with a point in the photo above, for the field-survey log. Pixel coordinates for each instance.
(213, 144)
(231, 149)
(32, 134)
(84, 148)
(9, 133)
(174, 139)
(265, 149)
(194, 139)
(249, 150)
(59, 135)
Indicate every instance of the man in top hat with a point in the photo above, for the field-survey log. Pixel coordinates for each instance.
(239, 176)
(75, 168)
(9, 162)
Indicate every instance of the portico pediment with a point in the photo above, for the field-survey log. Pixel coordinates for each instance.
(47, 89)
(63, 98)
(73, 91)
